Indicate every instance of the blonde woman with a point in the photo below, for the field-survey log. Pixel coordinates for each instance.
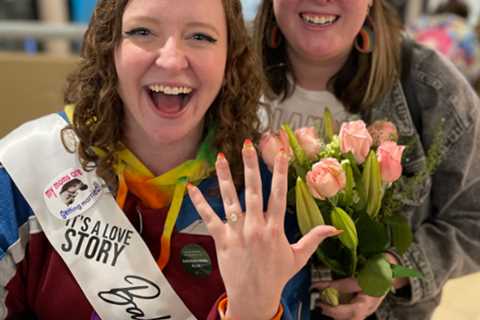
(352, 57)
(164, 96)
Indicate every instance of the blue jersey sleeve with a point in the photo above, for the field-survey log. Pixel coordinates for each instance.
(14, 212)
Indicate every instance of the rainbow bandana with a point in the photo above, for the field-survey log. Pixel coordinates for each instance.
(165, 190)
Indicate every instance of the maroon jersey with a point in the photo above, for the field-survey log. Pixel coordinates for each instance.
(43, 287)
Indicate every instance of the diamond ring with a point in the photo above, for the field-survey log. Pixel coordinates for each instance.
(232, 217)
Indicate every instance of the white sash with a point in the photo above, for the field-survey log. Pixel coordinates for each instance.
(106, 255)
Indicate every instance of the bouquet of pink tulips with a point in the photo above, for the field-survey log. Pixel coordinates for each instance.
(342, 180)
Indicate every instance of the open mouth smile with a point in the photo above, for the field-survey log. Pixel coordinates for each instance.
(169, 100)
(318, 20)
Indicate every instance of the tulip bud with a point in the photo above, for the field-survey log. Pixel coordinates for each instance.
(372, 184)
(330, 296)
(308, 213)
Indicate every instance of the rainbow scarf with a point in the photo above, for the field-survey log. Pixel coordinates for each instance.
(165, 190)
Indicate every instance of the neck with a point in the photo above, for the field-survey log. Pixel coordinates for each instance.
(314, 74)
(162, 157)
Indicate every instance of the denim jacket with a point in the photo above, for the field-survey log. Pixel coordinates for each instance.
(445, 211)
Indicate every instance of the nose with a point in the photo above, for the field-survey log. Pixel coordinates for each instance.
(171, 57)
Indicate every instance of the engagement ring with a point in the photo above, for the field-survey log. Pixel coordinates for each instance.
(232, 217)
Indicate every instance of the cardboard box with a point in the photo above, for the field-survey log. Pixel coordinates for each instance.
(31, 86)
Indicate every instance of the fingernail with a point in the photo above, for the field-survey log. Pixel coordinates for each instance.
(189, 186)
(283, 154)
(248, 144)
(221, 156)
(336, 233)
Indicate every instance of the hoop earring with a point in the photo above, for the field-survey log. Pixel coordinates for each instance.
(275, 38)
(365, 40)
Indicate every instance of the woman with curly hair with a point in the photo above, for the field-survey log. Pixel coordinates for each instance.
(353, 57)
(161, 88)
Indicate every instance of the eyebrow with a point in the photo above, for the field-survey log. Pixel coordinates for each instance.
(140, 18)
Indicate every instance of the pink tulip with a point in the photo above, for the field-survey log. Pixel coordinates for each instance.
(382, 131)
(271, 144)
(389, 156)
(354, 137)
(309, 141)
(326, 178)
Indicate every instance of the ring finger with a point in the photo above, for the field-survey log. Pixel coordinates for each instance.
(233, 210)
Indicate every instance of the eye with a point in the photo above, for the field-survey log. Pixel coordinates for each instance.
(203, 37)
(138, 32)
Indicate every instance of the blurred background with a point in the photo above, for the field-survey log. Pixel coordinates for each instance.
(40, 41)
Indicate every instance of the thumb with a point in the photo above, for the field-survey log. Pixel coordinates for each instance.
(307, 245)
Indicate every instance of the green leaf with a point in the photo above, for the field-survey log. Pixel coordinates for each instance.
(404, 272)
(372, 235)
(376, 276)
(395, 219)
(342, 221)
(308, 213)
(402, 236)
(330, 263)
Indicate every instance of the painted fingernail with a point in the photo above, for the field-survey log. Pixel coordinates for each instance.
(221, 156)
(283, 153)
(248, 144)
(336, 233)
(189, 186)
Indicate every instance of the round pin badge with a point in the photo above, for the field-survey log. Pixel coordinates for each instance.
(72, 193)
(195, 260)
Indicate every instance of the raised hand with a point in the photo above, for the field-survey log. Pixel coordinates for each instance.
(254, 255)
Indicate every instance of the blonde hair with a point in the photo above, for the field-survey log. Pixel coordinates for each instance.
(362, 81)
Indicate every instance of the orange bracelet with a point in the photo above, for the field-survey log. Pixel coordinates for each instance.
(222, 308)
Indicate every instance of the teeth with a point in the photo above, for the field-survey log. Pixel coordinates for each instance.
(170, 90)
(320, 20)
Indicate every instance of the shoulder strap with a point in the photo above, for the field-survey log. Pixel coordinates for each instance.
(408, 86)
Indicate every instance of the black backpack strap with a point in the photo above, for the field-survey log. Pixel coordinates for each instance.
(408, 86)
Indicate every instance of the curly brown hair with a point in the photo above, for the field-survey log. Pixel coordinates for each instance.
(99, 115)
(363, 80)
